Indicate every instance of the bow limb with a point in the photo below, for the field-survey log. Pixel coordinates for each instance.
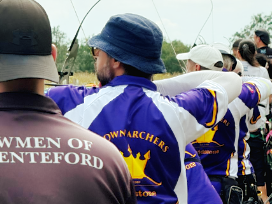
(67, 67)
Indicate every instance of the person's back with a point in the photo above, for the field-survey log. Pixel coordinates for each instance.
(46, 158)
(150, 131)
(254, 71)
(145, 127)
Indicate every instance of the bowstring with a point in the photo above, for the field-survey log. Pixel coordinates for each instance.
(203, 24)
(182, 68)
(81, 27)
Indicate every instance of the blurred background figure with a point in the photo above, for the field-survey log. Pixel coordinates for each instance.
(235, 46)
(262, 40)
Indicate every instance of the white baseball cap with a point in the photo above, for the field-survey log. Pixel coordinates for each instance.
(224, 49)
(204, 55)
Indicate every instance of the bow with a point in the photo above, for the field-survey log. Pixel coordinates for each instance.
(66, 70)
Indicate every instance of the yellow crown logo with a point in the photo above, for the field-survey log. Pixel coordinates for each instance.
(137, 166)
(208, 137)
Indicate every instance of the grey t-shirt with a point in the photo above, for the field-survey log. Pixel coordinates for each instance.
(45, 158)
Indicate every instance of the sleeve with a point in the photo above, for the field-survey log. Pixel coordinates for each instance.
(254, 95)
(249, 98)
(255, 120)
(201, 108)
(265, 87)
(185, 82)
(68, 97)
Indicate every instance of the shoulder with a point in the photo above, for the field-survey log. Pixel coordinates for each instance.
(69, 96)
(269, 50)
(264, 73)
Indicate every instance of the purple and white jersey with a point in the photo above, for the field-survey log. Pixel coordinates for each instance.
(150, 131)
(200, 189)
(219, 147)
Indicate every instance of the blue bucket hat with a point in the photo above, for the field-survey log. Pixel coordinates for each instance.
(133, 40)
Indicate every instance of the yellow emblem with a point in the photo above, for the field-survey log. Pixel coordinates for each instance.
(207, 137)
(137, 166)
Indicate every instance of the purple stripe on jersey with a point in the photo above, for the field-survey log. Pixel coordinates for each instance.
(203, 99)
(68, 97)
(250, 95)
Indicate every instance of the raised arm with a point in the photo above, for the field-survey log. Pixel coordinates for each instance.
(231, 82)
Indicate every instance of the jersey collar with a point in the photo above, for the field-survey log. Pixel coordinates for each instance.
(132, 80)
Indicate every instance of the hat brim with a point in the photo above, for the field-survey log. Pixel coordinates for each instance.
(27, 66)
(183, 56)
(150, 66)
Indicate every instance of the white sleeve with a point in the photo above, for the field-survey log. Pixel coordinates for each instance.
(186, 82)
(264, 85)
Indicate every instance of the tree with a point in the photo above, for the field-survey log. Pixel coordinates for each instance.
(257, 21)
(168, 56)
(60, 40)
(84, 61)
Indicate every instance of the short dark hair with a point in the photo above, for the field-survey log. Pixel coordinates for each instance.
(236, 43)
(203, 68)
(132, 71)
(217, 64)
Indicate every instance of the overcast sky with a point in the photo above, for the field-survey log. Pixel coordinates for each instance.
(182, 19)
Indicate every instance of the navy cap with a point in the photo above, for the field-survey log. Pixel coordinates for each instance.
(133, 40)
(264, 35)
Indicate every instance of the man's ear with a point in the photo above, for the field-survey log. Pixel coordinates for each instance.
(239, 55)
(197, 67)
(54, 52)
(117, 66)
(115, 63)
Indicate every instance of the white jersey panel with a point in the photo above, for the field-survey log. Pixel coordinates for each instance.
(85, 113)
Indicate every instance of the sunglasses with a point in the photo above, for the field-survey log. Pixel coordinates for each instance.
(94, 51)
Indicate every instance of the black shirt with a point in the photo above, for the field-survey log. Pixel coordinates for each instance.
(267, 51)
